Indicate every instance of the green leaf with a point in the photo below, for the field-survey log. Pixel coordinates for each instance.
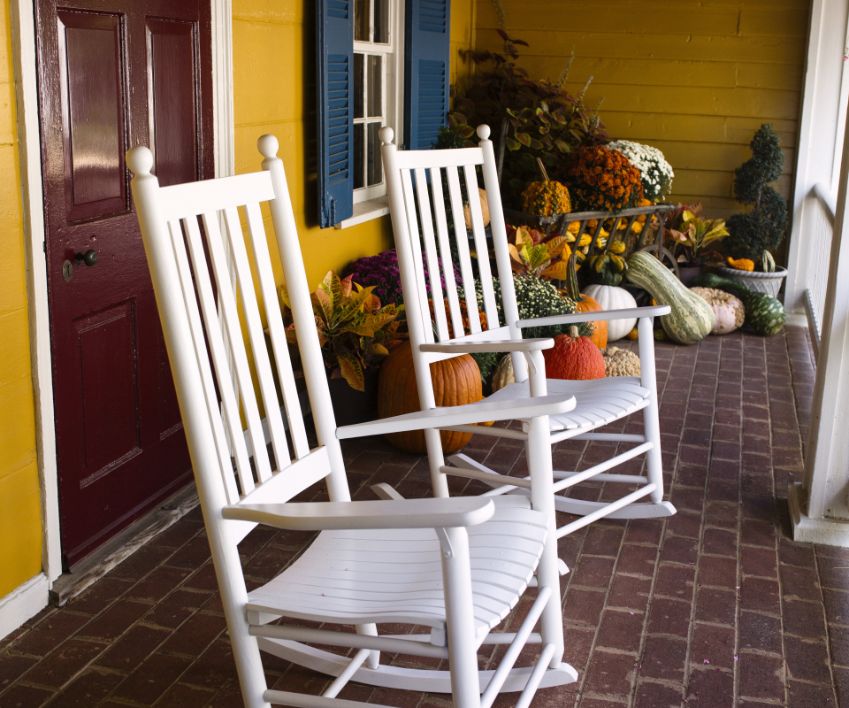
(512, 144)
(524, 139)
(352, 371)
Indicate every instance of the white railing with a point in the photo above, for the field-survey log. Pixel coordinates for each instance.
(818, 231)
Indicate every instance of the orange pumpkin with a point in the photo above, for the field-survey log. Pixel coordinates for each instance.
(456, 381)
(573, 357)
(585, 303)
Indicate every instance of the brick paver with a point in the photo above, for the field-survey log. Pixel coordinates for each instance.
(716, 606)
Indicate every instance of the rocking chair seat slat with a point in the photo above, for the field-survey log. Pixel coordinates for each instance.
(363, 576)
(599, 402)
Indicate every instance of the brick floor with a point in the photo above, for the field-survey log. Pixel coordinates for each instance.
(714, 607)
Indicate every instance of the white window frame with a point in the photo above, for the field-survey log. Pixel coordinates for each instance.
(370, 201)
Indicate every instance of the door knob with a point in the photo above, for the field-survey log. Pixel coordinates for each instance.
(88, 257)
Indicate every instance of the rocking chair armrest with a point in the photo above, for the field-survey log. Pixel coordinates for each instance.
(445, 512)
(498, 345)
(468, 414)
(639, 312)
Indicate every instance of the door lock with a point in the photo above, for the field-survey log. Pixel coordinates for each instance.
(88, 257)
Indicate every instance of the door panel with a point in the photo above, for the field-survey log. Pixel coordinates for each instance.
(114, 74)
(93, 110)
(106, 342)
(171, 45)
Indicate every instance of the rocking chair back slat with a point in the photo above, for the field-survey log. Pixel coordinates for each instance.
(229, 297)
(276, 333)
(434, 268)
(225, 302)
(451, 294)
(214, 332)
(214, 407)
(463, 254)
(481, 246)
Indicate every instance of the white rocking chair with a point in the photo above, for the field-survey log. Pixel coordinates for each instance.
(448, 324)
(453, 567)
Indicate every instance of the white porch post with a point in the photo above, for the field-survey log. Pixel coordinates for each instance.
(820, 132)
(820, 507)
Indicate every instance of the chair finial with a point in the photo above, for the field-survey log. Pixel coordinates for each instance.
(140, 160)
(387, 135)
(483, 131)
(268, 145)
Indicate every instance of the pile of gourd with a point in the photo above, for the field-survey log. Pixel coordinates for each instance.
(716, 306)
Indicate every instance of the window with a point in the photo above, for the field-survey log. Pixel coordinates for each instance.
(377, 33)
(360, 75)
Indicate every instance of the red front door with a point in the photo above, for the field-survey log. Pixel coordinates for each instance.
(114, 74)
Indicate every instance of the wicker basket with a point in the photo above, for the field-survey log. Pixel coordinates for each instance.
(769, 283)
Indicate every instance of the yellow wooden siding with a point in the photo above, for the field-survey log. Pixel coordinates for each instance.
(691, 78)
(20, 505)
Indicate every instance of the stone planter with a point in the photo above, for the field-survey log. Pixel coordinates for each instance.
(769, 283)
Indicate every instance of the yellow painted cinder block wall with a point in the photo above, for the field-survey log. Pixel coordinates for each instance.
(20, 505)
(274, 77)
(694, 79)
(273, 66)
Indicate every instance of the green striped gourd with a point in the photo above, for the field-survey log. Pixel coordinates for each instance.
(764, 314)
(691, 318)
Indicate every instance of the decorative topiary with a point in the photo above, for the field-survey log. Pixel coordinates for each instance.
(756, 234)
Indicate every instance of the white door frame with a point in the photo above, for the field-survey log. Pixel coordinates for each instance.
(23, 39)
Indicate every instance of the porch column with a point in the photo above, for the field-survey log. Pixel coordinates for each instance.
(820, 507)
(820, 131)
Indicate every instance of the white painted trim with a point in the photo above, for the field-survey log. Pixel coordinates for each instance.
(23, 602)
(222, 87)
(809, 530)
(23, 38)
(820, 134)
(827, 456)
(366, 211)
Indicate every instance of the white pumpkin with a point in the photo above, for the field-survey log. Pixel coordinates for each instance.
(612, 297)
(728, 311)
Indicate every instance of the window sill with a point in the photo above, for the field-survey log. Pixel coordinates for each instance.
(366, 211)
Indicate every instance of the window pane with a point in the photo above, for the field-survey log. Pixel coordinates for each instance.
(381, 21)
(374, 174)
(359, 87)
(375, 86)
(359, 131)
(361, 18)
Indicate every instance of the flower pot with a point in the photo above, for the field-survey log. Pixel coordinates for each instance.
(352, 406)
(769, 283)
(688, 272)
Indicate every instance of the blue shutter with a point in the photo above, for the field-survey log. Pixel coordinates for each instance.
(426, 71)
(335, 87)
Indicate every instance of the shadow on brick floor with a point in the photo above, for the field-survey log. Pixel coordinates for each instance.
(715, 606)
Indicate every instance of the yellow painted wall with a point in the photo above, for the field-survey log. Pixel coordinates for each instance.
(20, 504)
(273, 62)
(692, 78)
(273, 47)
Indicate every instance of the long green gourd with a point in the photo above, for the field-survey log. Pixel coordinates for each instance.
(691, 318)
